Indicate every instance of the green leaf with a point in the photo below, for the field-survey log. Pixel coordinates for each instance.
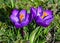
(38, 33)
(12, 3)
(32, 35)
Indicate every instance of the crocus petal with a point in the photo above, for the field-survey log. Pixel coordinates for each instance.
(14, 18)
(18, 25)
(39, 11)
(22, 15)
(23, 12)
(40, 22)
(38, 19)
(27, 21)
(48, 17)
(33, 12)
(49, 12)
(45, 22)
(15, 12)
(49, 21)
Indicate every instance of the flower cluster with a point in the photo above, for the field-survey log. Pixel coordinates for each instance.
(22, 18)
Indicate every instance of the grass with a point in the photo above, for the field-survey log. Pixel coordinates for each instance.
(32, 34)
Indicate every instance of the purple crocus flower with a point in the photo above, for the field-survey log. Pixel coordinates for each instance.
(42, 17)
(20, 18)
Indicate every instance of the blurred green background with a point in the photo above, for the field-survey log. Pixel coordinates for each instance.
(32, 34)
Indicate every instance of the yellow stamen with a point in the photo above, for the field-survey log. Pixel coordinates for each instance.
(44, 15)
(21, 17)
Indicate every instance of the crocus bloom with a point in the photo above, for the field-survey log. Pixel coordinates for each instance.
(42, 17)
(20, 18)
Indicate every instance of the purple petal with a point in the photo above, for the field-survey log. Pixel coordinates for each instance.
(18, 25)
(23, 12)
(45, 22)
(39, 11)
(33, 12)
(49, 21)
(49, 12)
(48, 17)
(41, 22)
(15, 12)
(27, 21)
(38, 19)
(14, 18)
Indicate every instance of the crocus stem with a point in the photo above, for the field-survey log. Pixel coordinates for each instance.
(22, 33)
